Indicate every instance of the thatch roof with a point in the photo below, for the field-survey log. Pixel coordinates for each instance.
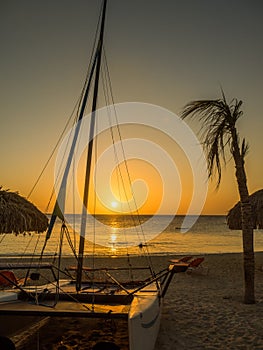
(18, 215)
(234, 214)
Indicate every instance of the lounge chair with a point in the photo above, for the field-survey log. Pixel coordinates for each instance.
(183, 259)
(196, 266)
(7, 278)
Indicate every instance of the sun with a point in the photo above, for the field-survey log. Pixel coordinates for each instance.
(114, 204)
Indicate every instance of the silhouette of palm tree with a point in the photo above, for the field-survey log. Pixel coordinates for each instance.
(219, 132)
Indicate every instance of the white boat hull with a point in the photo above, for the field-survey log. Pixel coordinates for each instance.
(144, 319)
(138, 304)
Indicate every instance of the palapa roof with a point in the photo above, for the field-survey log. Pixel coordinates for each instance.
(234, 214)
(18, 215)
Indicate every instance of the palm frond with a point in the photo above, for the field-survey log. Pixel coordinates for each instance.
(244, 148)
(218, 118)
(236, 112)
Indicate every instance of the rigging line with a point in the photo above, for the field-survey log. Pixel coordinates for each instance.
(126, 166)
(96, 38)
(73, 202)
(94, 193)
(78, 112)
(115, 150)
(61, 194)
(33, 254)
(60, 170)
(38, 239)
(55, 252)
(70, 241)
(113, 138)
(73, 245)
(24, 252)
(120, 138)
(64, 292)
(97, 62)
(61, 163)
(105, 88)
(107, 99)
(62, 231)
(90, 62)
(52, 153)
(123, 152)
(77, 105)
(95, 152)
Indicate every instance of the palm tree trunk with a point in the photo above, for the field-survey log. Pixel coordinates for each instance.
(247, 226)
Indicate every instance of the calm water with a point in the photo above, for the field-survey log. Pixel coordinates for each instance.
(116, 235)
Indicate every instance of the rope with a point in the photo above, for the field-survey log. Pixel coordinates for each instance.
(62, 230)
(25, 250)
(64, 292)
(66, 231)
(52, 153)
(126, 166)
(77, 105)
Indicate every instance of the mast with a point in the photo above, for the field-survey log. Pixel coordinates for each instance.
(90, 150)
(60, 202)
(58, 209)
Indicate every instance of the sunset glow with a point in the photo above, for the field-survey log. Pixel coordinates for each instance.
(150, 62)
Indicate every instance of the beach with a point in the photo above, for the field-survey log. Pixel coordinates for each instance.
(202, 310)
(207, 311)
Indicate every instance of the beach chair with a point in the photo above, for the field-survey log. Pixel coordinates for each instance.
(183, 259)
(7, 278)
(196, 266)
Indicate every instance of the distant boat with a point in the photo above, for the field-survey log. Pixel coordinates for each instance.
(138, 301)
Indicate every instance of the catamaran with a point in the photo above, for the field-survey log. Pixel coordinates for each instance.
(77, 292)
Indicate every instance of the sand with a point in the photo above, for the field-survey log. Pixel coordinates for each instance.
(207, 311)
(202, 310)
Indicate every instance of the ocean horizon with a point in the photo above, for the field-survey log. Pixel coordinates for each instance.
(110, 235)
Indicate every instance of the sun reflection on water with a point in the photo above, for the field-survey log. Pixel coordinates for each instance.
(113, 240)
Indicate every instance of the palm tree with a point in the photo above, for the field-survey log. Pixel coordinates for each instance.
(219, 133)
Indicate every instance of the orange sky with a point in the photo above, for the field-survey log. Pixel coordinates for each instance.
(167, 54)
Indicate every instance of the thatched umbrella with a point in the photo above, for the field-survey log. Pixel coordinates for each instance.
(18, 215)
(234, 214)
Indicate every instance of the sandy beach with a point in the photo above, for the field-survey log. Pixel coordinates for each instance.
(206, 311)
(202, 310)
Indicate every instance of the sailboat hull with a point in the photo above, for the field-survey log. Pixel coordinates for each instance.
(144, 320)
(142, 314)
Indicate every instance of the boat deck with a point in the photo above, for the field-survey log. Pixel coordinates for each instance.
(95, 301)
(65, 309)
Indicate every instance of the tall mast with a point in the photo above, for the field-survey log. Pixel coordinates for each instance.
(58, 209)
(90, 149)
(60, 202)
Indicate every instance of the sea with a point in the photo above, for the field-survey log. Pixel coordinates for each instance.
(113, 235)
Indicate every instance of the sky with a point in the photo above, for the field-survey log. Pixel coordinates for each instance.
(165, 53)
